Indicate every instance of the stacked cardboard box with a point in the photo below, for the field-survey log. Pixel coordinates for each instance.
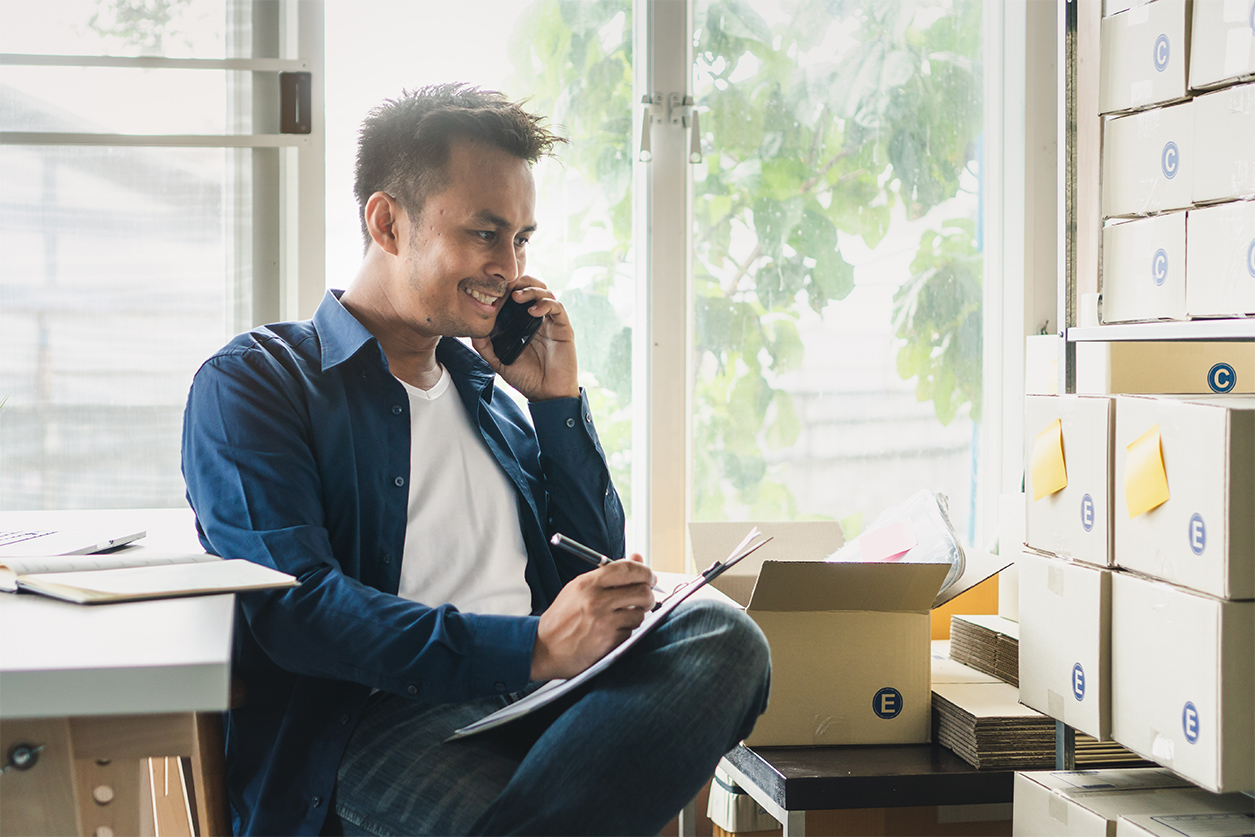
(1085, 802)
(1178, 166)
(1147, 642)
(1183, 612)
(1065, 575)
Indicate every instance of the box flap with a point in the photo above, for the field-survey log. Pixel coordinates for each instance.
(809, 540)
(785, 586)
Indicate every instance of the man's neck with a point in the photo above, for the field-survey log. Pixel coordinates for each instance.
(411, 356)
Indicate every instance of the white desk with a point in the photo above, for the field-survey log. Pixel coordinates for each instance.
(105, 683)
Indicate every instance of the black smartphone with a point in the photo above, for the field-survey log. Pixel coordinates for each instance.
(513, 329)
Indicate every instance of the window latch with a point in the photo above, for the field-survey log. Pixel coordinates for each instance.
(680, 112)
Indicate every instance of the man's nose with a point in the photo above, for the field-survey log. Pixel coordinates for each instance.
(507, 262)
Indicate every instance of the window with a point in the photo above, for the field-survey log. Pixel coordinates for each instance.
(143, 222)
(838, 265)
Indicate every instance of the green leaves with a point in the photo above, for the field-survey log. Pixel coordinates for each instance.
(823, 118)
(938, 314)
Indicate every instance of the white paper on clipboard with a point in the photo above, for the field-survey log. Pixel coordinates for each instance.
(555, 689)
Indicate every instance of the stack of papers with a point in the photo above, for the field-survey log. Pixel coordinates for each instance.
(987, 643)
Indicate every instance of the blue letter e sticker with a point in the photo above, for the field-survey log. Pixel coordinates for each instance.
(887, 703)
(1189, 722)
(1078, 682)
(1198, 534)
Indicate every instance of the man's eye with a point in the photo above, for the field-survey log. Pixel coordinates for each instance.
(520, 241)
(486, 235)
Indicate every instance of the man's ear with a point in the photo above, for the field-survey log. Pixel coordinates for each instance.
(382, 214)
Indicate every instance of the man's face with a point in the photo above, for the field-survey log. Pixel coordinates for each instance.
(467, 249)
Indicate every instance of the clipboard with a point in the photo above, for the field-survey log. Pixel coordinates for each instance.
(555, 689)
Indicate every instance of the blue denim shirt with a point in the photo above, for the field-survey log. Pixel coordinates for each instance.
(296, 454)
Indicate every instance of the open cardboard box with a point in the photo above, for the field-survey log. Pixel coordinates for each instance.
(849, 641)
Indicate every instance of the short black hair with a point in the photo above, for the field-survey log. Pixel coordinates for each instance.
(403, 146)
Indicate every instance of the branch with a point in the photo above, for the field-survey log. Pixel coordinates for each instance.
(744, 268)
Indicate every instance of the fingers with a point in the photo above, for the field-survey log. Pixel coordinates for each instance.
(630, 571)
(543, 301)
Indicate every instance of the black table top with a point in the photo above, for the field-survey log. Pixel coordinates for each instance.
(883, 776)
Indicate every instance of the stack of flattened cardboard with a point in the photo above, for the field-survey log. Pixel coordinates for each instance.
(987, 643)
(981, 719)
(986, 725)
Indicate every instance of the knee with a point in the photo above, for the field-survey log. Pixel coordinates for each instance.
(734, 646)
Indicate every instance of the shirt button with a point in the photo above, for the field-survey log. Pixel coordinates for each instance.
(588, 417)
(396, 409)
(413, 690)
(316, 801)
(387, 556)
(499, 686)
(400, 481)
(570, 422)
(344, 719)
(365, 375)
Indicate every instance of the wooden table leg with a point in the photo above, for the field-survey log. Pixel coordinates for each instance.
(209, 777)
(41, 799)
(108, 796)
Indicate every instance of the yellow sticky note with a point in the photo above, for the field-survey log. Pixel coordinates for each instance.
(1048, 470)
(1145, 480)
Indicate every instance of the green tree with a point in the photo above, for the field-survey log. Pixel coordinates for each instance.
(887, 119)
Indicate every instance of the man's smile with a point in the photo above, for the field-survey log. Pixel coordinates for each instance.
(482, 297)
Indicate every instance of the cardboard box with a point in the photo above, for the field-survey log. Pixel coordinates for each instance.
(1065, 642)
(1090, 802)
(1216, 823)
(1195, 367)
(1113, 7)
(1222, 41)
(1143, 269)
(1220, 260)
(1184, 504)
(1224, 128)
(1144, 54)
(849, 641)
(1041, 364)
(1074, 431)
(1182, 680)
(1148, 162)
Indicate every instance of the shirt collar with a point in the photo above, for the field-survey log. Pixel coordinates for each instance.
(339, 333)
(342, 336)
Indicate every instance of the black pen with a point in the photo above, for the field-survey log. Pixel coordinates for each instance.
(578, 549)
(592, 556)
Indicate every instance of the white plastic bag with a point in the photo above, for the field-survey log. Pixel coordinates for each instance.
(921, 525)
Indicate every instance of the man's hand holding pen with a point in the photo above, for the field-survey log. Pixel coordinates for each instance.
(591, 615)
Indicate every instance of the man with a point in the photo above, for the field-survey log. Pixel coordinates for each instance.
(367, 452)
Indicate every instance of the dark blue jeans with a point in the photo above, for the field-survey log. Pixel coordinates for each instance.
(622, 755)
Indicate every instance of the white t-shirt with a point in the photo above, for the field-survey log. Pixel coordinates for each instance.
(463, 544)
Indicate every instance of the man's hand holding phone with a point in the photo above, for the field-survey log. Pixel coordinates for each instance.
(545, 367)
